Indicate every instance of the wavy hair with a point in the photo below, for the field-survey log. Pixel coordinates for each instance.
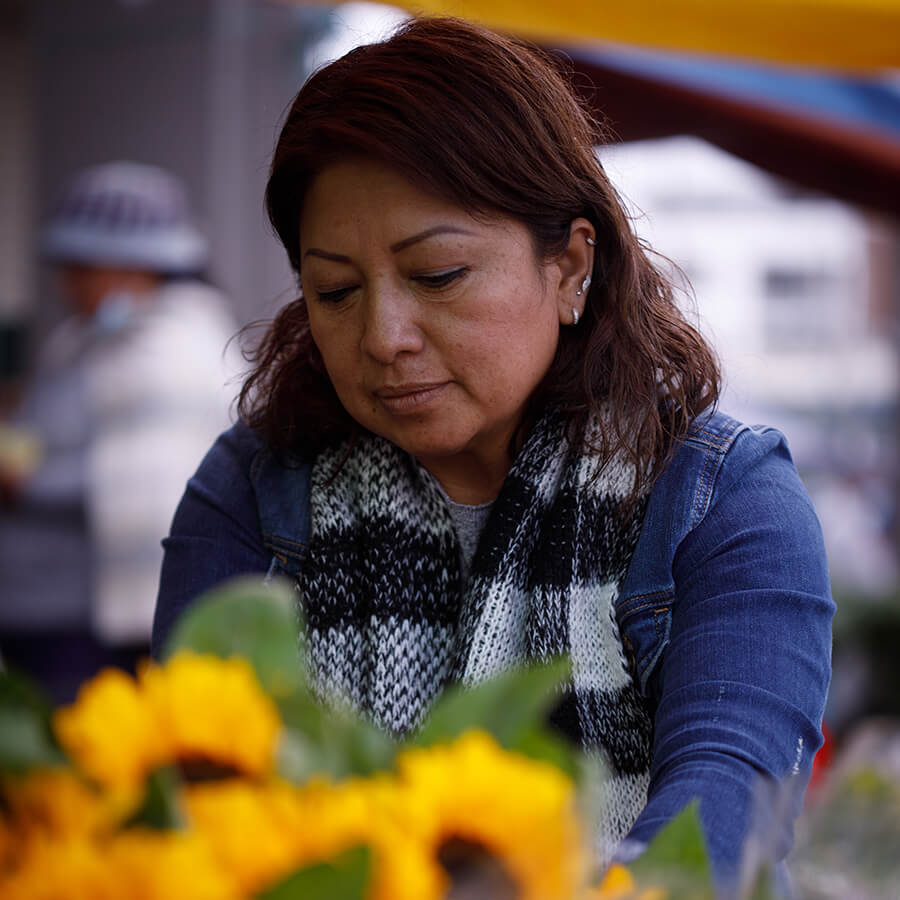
(493, 125)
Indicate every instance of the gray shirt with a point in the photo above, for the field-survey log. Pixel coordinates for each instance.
(469, 522)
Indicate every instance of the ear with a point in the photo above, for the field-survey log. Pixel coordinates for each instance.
(575, 265)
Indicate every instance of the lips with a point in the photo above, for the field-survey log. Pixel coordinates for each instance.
(404, 398)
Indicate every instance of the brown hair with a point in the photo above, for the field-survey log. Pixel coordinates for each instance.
(493, 125)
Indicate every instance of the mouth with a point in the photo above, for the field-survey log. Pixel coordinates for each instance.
(407, 398)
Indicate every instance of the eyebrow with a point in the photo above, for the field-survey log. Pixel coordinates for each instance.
(430, 232)
(395, 248)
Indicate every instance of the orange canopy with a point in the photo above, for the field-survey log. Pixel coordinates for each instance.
(854, 162)
(838, 34)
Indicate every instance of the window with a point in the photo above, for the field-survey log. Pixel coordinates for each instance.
(803, 308)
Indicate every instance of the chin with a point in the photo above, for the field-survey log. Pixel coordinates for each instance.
(436, 446)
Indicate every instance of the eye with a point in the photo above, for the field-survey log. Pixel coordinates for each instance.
(441, 279)
(335, 296)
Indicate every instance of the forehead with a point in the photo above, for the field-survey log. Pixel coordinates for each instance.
(356, 207)
(355, 191)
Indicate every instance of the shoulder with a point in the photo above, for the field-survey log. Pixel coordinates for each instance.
(716, 455)
(240, 453)
(232, 455)
(717, 437)
(722, 464)
(215, 532)
(241, 465)
(222, 484)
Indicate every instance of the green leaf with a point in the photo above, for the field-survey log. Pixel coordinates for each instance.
(26, 734)
(510, 706)
(25, 743)
(371, 749)
(677, 857)
(160, 809)
(300, 758)
(680, 843)
(547, 747)
(249, 618)
(325, 740)
(343, 878)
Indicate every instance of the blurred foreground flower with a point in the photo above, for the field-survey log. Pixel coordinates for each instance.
(194, 711)
(217, 775)
(472, 795)
(293, 826)
(135, 863)
(619, 884)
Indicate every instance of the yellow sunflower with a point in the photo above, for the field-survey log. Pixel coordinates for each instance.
(213, 709)
(135, 864)
(225, 813)
(296, 826)
(57, 802)
(162, 865)
(56, 868)
(192, 708)
(109, 731)
(520, 813)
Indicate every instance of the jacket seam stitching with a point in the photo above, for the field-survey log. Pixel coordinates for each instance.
(705, 484)
(274, 540)
(643, 607)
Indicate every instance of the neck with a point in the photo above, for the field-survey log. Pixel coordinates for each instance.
(469, 481)
(476, 475)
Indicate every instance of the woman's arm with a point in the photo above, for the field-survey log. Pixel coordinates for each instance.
(215, 533)
(742, 685)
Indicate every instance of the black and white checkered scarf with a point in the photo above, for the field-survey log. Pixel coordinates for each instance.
(390, 621)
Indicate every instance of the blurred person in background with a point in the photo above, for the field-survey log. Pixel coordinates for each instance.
(126, 392)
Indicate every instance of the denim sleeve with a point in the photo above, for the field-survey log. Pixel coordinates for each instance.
(741, 687)
(215, 533)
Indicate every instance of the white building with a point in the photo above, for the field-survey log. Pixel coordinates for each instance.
(790, 289)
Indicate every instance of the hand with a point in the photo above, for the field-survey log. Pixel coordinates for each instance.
(20, 455)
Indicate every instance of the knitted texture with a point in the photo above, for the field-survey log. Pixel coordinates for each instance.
(390, 622)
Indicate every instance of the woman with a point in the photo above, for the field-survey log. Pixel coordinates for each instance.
(485, 434)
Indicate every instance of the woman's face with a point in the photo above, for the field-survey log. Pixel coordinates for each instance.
(434, 328)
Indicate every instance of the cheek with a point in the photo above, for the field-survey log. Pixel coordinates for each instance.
(338, 364)
(328, 339)
(507, 363)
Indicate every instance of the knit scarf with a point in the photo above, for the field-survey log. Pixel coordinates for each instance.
(390, 621)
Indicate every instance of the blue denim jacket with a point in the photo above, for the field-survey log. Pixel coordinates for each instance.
(725, 614)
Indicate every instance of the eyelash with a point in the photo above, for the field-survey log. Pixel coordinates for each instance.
(443, 279)
(333, 296)
(433, 282)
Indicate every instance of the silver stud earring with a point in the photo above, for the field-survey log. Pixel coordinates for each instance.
(575, 316)
(584, 285)
(591, 241)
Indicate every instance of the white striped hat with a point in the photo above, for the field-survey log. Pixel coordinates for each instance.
(125, 214)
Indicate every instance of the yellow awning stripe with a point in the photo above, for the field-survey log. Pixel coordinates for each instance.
(837, 34)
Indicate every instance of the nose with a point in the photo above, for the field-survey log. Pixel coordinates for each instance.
(390, 326)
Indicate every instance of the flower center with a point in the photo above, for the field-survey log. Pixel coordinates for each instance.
(475, 873)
